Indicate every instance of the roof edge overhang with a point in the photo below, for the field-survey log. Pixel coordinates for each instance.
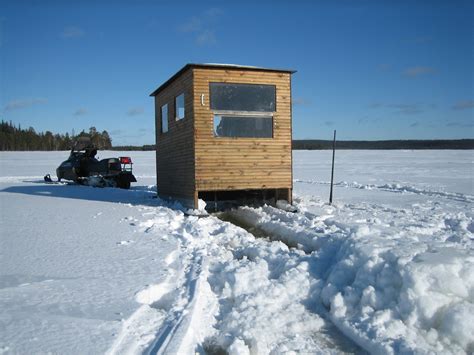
(216, 66)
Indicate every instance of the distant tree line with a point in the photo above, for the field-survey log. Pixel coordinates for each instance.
(314, 144)
(16, 138)
(145, 147)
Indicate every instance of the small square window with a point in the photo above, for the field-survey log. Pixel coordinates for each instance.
(164, 118)
(179, 107)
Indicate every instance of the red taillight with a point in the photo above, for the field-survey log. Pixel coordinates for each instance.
(125, 160)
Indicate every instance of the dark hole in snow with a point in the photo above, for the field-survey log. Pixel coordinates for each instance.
(210, 348)
(228, 216)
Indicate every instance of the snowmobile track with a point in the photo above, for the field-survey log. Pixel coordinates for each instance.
(167, 310)
(179, 319)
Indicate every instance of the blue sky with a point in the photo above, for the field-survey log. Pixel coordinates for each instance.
(370, 69)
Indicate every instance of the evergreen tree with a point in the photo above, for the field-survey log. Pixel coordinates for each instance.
(13, 138)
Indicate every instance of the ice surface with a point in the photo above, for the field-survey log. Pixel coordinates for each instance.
(388, 268)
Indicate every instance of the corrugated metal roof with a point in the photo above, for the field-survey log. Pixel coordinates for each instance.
(215, 66)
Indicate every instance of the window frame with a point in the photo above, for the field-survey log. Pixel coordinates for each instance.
(176, 117)
(234, 113)
(246, 84)
(227, 115)
(166, 119)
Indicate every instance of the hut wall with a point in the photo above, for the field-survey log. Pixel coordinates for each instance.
(175, 148)
(223, 163)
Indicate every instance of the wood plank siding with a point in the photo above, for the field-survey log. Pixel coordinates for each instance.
(175, 148)
(223, 163)
(191, 160)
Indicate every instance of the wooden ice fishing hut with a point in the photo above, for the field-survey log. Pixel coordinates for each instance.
(223, 132)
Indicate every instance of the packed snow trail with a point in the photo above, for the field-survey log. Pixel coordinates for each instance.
(165, 321)
(224, 290)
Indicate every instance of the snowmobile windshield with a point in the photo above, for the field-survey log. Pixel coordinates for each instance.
(83, 143)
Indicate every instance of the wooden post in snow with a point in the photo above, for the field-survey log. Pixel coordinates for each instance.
(332, 169)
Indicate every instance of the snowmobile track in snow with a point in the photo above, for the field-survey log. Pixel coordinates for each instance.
(179, 319)
(167, 309)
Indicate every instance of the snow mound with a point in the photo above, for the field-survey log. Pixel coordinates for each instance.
(389, 292)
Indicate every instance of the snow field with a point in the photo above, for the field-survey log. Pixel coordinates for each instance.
(70, 264)
(387, 269)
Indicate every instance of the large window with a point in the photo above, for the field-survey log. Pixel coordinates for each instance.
(164, 118)
(243, 97)
(243, 110)
(243, 126)
(179, 107)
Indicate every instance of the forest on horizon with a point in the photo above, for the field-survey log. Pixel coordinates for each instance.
(14, 138)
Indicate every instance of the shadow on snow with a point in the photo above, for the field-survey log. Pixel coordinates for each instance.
(138, 195)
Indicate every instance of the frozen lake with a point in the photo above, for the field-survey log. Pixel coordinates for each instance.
(396, 177)
(437, 170)
(387, 268)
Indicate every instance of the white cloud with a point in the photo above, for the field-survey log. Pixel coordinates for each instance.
(376, 105)
(301, 101)
(404, 109)
(206, 37)
(407, 109)
(384, 67)
(135, 111)
(418, 71)
(463, 105)
(193, 25)
(460, 124)
(80, 112)
(213, 12)
(24, 103)
(201, 26)
(72, 32)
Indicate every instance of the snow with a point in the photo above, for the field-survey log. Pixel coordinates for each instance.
(237, 66)
(388, 268)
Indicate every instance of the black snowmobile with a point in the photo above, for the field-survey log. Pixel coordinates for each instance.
(82, 167)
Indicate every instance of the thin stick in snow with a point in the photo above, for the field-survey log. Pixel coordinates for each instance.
(332, 169)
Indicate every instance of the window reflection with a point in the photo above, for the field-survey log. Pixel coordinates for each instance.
(243, 97)
(164, 118)
(179, 107)
(243, 126)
